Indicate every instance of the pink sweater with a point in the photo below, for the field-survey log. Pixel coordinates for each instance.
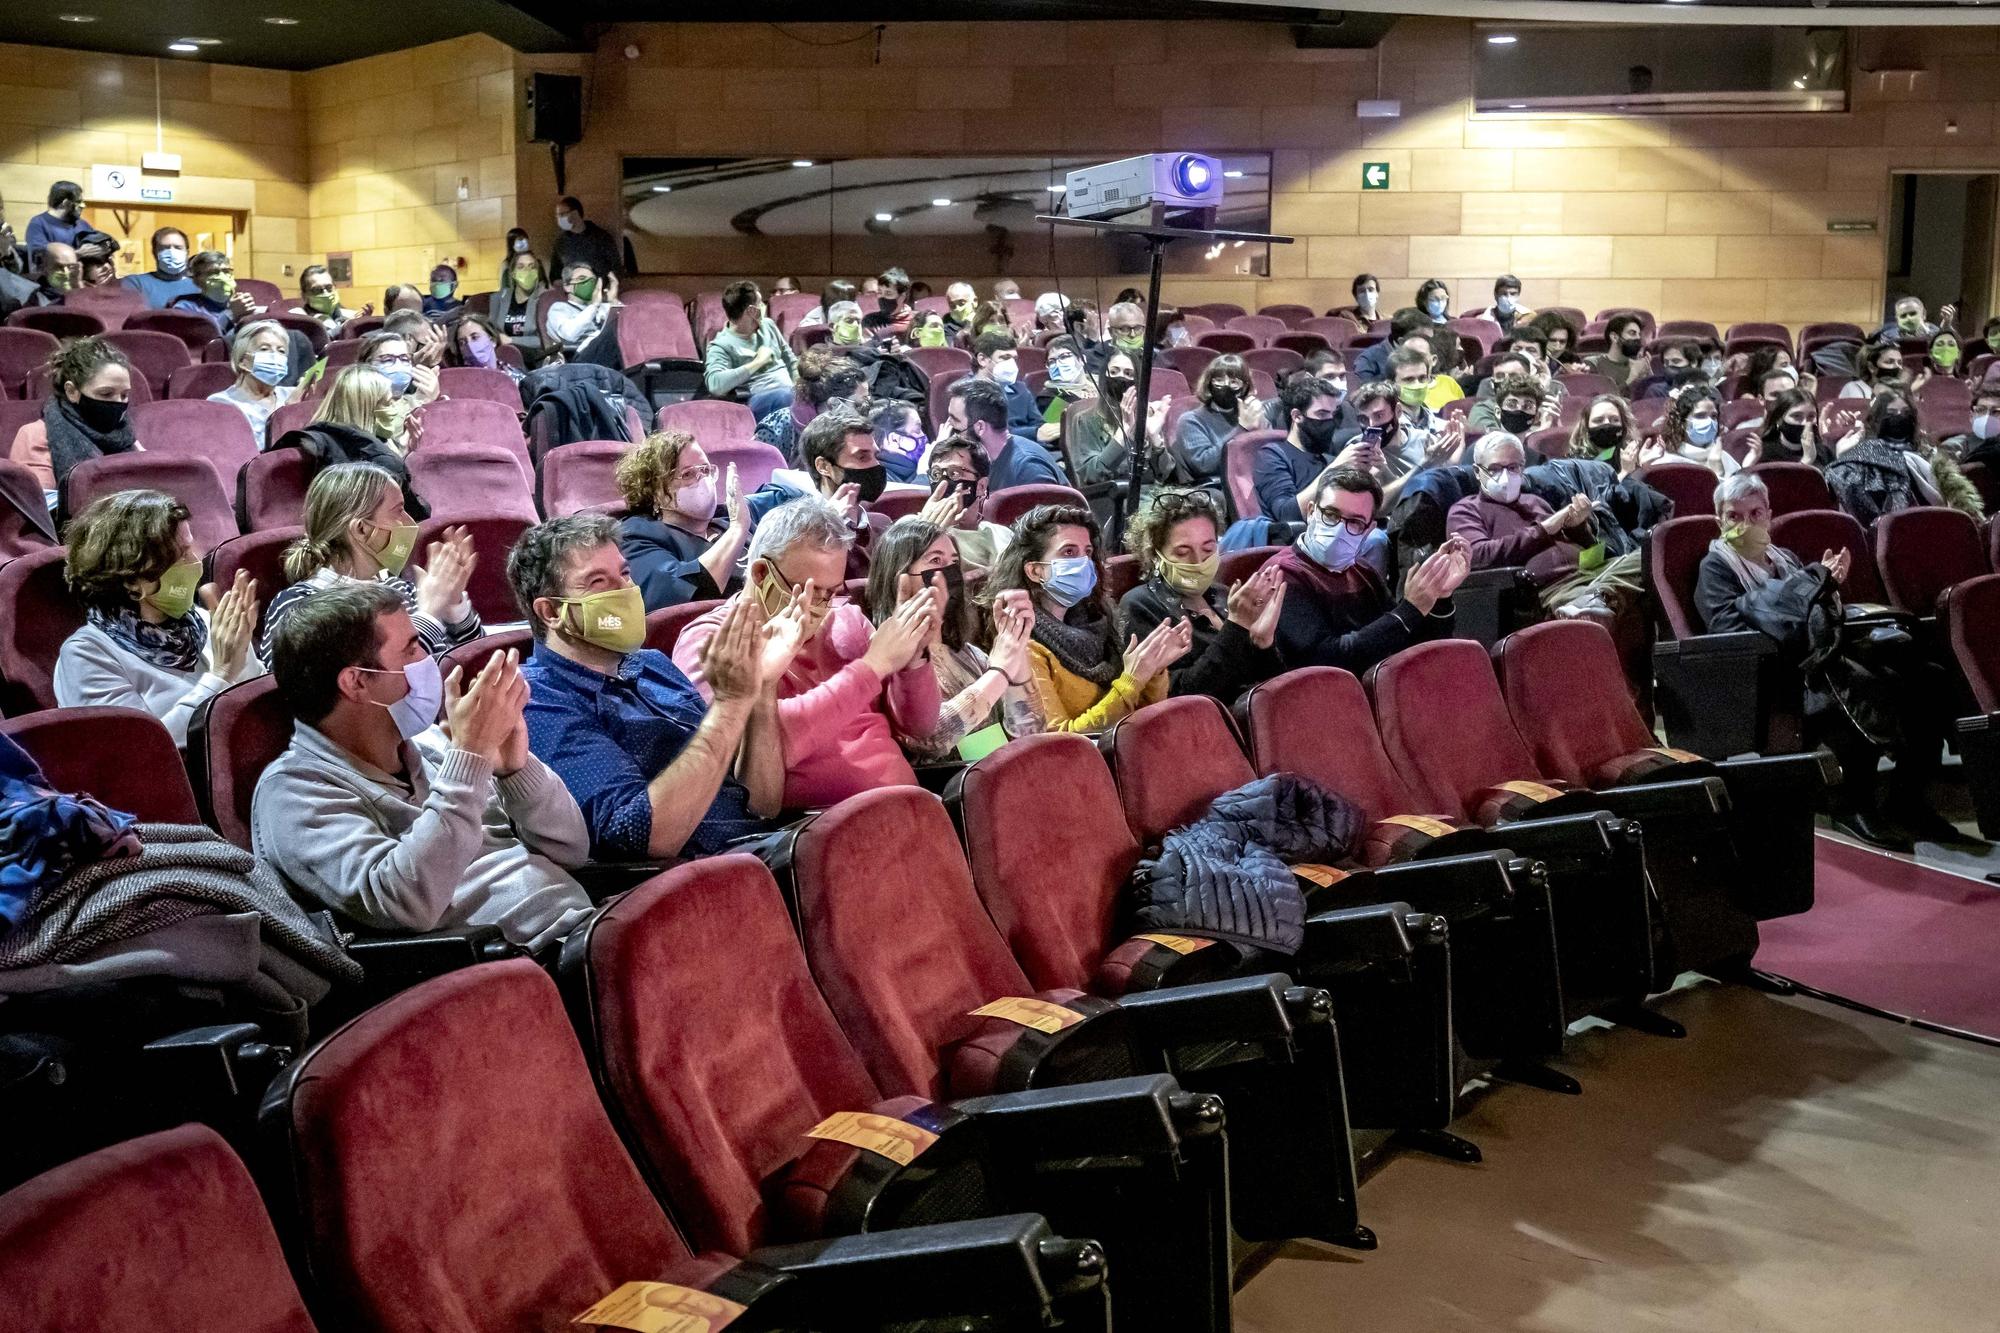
(834, 712)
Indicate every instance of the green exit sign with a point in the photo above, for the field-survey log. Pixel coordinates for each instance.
(1374, 175)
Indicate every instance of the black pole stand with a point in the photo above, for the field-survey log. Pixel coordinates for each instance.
(1157, 236)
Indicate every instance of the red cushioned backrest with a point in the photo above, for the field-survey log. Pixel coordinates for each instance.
(1003, 507)
(274, 488)
(197, 331)
(493, 537)
(1673, 561)
(156, 356)
(897, 938)
(1444, 725)
(25, 524)
(194, 481)
(471, 479)
(1793, 486)
(1972, 619)
(258, 554)
(1052, 886)
(237, 735)
(161, 1232)
(22, 353)
(1316, 722)
(492, 386)
(1921, 552)
(582, 475)
(712, 422)
(1690, 486)
(1566, 696)
(664, 626)
(1811, 533)
(1171, 759)
(715, 1045)
(199, 379)
(122, 756)
(36, 615)
(652, 325)
(456, 1170)
(470, 658)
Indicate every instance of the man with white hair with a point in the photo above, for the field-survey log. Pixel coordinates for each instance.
(1049, 309)
(1506, 525)
(853, 688)
(964, 307)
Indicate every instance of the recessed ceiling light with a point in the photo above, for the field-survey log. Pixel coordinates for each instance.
(202, 41)
(663, 189)
(185, 48)
(77, 18)
(1517, 106)
(802, 161)
(885, 217)
(940, 203)
(280, 21)
(1232, 175)
(1502, 39)
(1798, 83)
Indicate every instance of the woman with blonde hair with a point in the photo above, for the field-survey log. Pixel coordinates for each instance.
(355, 424)
(357, 530)
(679, 548)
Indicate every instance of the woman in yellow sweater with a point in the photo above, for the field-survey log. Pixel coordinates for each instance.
(1080, 678)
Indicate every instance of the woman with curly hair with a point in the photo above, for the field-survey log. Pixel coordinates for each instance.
(1561, 333)
(1176, 538)
(982, 687)
(1082, 680)
(1887, 463)
(1692, 433)
(1607, 432)
(678, 546)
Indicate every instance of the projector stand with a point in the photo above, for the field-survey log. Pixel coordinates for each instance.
(1157, 235)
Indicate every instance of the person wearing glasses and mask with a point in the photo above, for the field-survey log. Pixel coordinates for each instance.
(320, 300)
(414, 827)
(679, 546)
(661, 767)
(1339, 609)
(853, 687)
(146, 641)
(1176, 537)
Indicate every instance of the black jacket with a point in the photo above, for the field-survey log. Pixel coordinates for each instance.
(666, 562)
(326, 444)
(1222, 663)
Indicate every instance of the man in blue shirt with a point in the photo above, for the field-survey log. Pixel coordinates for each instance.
(169, 278)
(657, 772)
(999, 362)
(215, 294)
(61, 223)
(975, 408)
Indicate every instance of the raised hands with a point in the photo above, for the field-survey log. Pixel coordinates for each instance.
(230, 624)
(446, 572)
(1446, 442)
(731, 662)
(902, 638)
(1166, 645)
(1013, 628)
(1838, 563)
(1255, 603)
(945, 507)
(1439, 575)
(734, 506)
(1571, 515)
(848, 499)
(488, 717)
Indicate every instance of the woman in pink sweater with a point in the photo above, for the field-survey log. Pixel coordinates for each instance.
(853, 686)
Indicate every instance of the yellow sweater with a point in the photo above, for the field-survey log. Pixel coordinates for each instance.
(1071, 703)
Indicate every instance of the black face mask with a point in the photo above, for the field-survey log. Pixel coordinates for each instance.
(1222, 397)
(1630, 346)
(102, 415)
(887, 304)
(1606, 437)
(1316, 434)
(1116, 385)
(1515, 422)
(1791, 432)
(872, 481)
(1899, 425)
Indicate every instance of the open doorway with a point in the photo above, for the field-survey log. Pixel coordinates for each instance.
(1941, 243)
(207, 229)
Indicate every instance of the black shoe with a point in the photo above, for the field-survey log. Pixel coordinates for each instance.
(1874, 830)
(1927, 825)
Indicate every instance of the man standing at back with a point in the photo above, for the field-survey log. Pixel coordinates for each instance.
(584, 242)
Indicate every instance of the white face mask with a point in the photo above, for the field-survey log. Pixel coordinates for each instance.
(417, 711)
(1504, 487)
(521, 245)
(563, 223)
(1007, 371)
(1986, 425)
(1331, 544)
(270, 367)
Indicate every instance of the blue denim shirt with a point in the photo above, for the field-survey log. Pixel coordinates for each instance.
(607, 737)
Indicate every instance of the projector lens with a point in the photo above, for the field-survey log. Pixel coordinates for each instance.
(1192, 174)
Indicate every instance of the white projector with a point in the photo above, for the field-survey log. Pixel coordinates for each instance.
(1172, 180)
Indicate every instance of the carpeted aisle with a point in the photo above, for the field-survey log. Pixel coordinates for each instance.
(1791, 1167)
(1897, 935)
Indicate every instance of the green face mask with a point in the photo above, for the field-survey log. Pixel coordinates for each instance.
(174, 597)
(1128, 342)
(847, 332)
(395, 552)
(63, 280)
(1190, 580)
(390, 417)
(614, 621)
(1944, 355)
(1747, 541)
(441, 290)
(930, 337)
(1412, 394)
(220, 287)
(585, 289)
(1909, 323)
(524, 279)
(326, 303)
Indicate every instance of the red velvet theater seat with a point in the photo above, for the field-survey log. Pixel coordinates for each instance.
(36, 615)
(162, 1232)
(1717, 694)
(1972, 620)
(122, 756)
(234, 737)
(1921, 552)
(1811, 533)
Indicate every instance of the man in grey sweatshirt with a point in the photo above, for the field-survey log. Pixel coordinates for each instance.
(378, 814)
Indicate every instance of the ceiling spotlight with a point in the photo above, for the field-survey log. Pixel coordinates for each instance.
(1798, 83)
(1232, 175)
(1502, 39)
(77, 18)
(663, 189)
(280, 21)
(940, 203)
(885, 217)
(802, 161)
(184, 48)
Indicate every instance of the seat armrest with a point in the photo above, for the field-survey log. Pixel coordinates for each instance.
(1008, 1264)
(1450, 884)
(606, 879)
(233, 1058)
(1753, 774)
(1258, 1008)
(1147, 1113)
(1684, 796)
(1376, 935)
(423, 954)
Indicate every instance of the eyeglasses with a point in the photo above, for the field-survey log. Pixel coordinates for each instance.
(1128, 328)
(1504, 470)
(688, 476)
(391, 361)
(1354, 523)
(823, 599)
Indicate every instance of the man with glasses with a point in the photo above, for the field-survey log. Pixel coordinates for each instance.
(1400, 439)
(658, 768)
(1339, 610)
(853, 687)
(215, 297)
(322, 301)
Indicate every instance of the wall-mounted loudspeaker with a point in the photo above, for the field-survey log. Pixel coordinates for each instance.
(552, 108)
